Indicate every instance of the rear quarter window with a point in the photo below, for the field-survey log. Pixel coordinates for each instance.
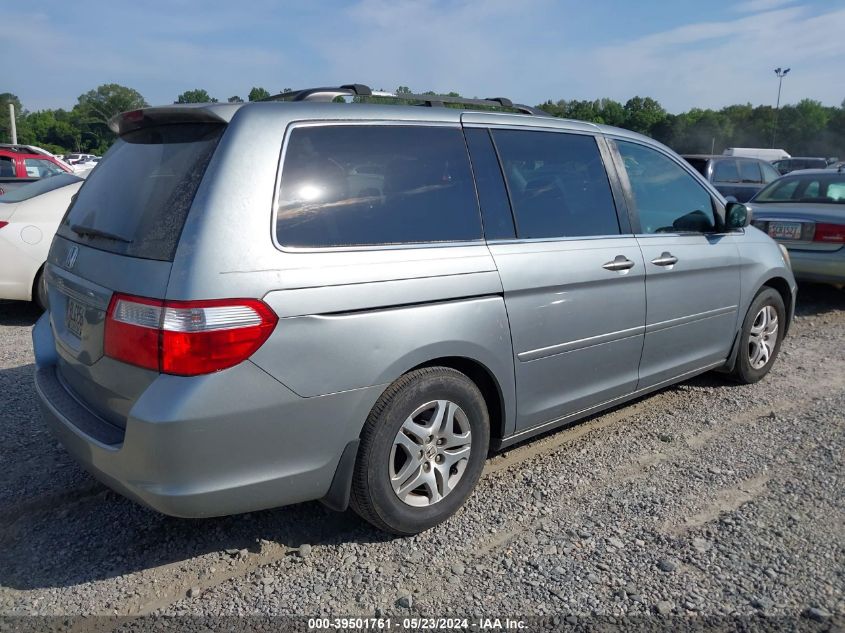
(367, 185)
(137, 200)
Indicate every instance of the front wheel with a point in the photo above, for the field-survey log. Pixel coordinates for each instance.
(422, 451)
(761, 336)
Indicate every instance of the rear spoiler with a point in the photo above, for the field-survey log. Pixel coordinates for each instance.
(163, 115)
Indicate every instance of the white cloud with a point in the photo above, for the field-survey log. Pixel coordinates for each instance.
(713, 64)
(523, 51)
(529, 51)
(754, 6)
(473, 48)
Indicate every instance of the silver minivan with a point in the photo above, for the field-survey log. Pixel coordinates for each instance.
(259, 304)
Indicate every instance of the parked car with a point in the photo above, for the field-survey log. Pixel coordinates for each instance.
(22, 164)
(805, 211)
(87, 164)
(29, 217)
(786, 165)
(389, 293)
(736, 178)
(73, 159)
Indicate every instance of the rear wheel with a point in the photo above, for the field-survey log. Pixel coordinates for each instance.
(39, 291)
(761, 337)
(422, 451)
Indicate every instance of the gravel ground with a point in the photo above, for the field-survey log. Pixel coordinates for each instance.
(706, 499)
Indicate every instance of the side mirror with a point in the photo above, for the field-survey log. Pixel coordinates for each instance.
(737, 216)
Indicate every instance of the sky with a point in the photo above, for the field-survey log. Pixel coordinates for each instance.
(684, 53)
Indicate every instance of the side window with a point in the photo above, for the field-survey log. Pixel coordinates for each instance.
(770, 174)
(725, 171)
(359, 185)
(495, 207)
(749, 171)
(557, 184)
(40, 168)
(7, 167)
(667, 198)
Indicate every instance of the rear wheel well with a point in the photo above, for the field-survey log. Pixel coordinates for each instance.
(782, 286)
(486, 383)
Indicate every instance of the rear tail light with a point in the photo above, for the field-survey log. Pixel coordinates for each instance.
(186, 338)
(829, 233)
(2, 224)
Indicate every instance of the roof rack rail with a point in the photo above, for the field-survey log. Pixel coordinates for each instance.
(430, 100)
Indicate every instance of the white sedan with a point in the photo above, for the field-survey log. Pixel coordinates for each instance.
(29, 217)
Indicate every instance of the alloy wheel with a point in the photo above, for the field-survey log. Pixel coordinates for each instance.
(763, 337)
(430, 453)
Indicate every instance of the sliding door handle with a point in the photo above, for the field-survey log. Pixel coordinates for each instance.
(619, 263)
(665, 259)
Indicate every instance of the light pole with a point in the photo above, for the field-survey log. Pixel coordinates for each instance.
(781, 73)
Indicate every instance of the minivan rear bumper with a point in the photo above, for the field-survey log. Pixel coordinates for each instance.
(230, 442)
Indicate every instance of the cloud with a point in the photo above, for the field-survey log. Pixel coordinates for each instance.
(530, 51)
(755, 6)
(712, 64)
(472, 48)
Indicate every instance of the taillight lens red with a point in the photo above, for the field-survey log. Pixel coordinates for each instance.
(829, 233)
(186, 338)
(2, 224)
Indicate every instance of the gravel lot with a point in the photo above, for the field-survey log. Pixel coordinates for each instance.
(706, 498)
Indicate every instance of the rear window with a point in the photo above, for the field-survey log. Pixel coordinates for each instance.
(135, 203)
(363, 185)
(815, 188)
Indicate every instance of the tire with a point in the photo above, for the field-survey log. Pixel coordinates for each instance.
(748, 368)
(447, 459)
(39, 292)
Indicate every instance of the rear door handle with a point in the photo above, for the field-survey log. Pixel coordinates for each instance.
(665, 259)
(620, 262)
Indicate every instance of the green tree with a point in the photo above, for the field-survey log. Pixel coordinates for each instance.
(643, 114)
(52, 129)
(195, 96)
(20, 114)
(258, 93)
(95, 109)
(235, 99)
(802, 127)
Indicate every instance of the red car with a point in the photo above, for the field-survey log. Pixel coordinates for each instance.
(20, 164)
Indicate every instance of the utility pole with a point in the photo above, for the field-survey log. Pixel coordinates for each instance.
(12, 126)
(781, 73)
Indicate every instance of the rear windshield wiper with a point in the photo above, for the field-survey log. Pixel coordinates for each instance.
(92, 232)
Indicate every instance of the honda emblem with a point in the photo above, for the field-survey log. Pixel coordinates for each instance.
(70, 258)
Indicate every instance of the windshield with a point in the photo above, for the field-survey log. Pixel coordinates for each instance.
(38, 187)
(815, 188)
(136, 201)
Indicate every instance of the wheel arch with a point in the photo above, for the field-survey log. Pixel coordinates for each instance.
(486, 382)
(782, 287)
(338, 496)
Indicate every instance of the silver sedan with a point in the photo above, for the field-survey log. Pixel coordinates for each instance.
(805, 211)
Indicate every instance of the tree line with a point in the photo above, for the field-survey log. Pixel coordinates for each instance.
(807, 128)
